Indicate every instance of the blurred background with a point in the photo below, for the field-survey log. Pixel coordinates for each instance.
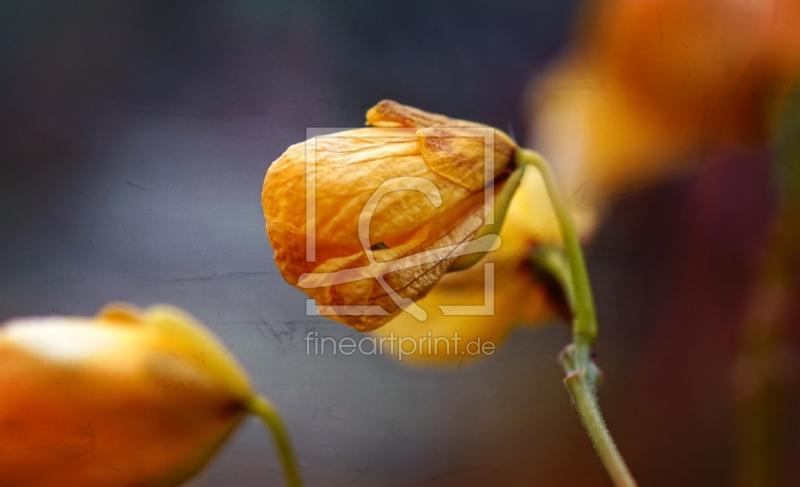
(134, 138)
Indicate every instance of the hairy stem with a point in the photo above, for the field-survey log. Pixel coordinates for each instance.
(582, 374)
(595, 425)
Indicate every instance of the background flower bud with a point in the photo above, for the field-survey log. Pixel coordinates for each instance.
(521, 298)
(129, 397)
(647, 87)
(408, 146)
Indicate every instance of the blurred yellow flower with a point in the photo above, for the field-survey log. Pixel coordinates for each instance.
(129, 397)
(372, 218)
(520, 298)
(649, 84)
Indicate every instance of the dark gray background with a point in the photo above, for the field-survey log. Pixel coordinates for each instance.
(134, 137)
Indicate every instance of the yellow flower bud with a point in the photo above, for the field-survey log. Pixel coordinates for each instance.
(392, 206)
(129, 397)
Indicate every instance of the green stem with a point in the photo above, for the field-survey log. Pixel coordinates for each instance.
(595, 425)
(584, 328)
(582, 374)
(261, 407)
(550, 259)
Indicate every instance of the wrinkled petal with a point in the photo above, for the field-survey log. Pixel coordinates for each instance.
(429, 173)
